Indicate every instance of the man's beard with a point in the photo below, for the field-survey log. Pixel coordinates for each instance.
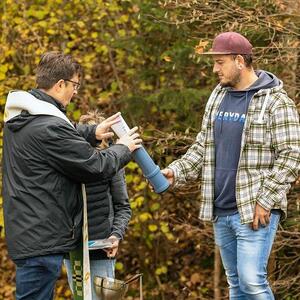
(233, 81)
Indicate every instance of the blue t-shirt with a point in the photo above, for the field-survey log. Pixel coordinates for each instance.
(228, 129)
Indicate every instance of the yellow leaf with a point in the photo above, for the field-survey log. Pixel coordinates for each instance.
(141, 186)
(199, 49)
(136, 179)
(80, 24)
(170, 236)
(59, 289)
(152, 227)
(140, 200)
(111, 23)
(94, 35)
(133, 205)
(155, 207)
(164, 228)
(51, 31)
(129, 178)
(167, 58)
(144, 217)
(3, 68)
(42, 24)
(18, 20)
(122, 32)
(101, 49)
(124, 18)
(2, 101)
(158, 271)
(119, 266)
(161, 270)
(70, 44)
(145, 87)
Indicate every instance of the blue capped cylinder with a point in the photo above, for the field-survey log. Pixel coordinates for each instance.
(150, 170)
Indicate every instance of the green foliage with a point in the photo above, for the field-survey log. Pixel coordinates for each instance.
(139, 57)
(173, 107)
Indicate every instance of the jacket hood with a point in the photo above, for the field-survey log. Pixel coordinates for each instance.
(19, 121)
(266, 81)
(39, 94)
(22, 107)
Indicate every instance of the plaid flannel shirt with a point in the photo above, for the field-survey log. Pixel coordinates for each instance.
(269, 157)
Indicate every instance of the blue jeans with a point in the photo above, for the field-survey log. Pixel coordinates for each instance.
(245, 255)
(36, 277)
(99, 267)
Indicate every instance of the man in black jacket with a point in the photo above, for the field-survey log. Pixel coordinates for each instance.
(45, 159)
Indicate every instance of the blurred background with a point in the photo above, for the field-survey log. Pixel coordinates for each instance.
(142, 58)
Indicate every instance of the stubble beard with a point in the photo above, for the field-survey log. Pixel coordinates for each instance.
(234, 79)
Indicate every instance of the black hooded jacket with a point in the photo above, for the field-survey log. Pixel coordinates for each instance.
(108, 210)
(45, 160)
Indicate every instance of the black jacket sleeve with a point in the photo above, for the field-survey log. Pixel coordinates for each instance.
(88, 132)
(121, 206)
(69, 153)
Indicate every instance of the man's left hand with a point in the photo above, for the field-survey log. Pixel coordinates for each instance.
(261, 216)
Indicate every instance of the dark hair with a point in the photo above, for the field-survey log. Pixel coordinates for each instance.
(248, 58)
(54, 66)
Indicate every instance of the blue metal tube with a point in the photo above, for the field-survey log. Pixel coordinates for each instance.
(150, 170)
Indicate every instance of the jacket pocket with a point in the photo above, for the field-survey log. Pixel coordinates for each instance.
(257, 133)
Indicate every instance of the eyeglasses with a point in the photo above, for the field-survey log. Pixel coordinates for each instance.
(76, 85)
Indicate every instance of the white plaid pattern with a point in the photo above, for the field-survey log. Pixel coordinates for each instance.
(269, 159)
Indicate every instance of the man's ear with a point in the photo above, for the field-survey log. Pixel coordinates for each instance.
(58, 85)
(240, 62)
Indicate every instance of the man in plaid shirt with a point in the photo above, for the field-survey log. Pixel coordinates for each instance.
(247, 154)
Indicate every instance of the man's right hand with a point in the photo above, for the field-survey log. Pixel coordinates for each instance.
(131, 139)
(102, 128)
(169, 174)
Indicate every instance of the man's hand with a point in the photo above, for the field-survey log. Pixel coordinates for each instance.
(169, 174)
(102, 128)
(131, 139)
(261, 216)
(113, 250)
